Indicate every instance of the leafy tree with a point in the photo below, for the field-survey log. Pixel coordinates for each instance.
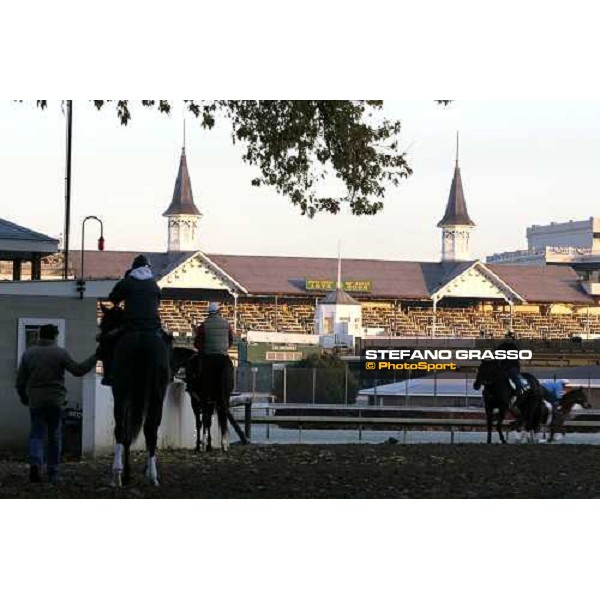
(330, 381)
(300, 145)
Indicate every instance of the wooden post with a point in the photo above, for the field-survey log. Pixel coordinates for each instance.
(17, 264)
(346, 383)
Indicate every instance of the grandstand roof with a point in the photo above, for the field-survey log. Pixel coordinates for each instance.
(112, 264)
(396, 279)
(543, 283)
(410, 280)
(183, 200)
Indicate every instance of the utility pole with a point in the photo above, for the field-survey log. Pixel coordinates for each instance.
(68, 189)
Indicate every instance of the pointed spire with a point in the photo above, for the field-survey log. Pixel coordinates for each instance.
(339, 296)
(456, 147)
(456, 208)
(183, 200)
(339, 273)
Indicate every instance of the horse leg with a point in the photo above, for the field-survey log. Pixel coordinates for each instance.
(151, 425)
(207, 415)
(223, 426)
(489, 418)
(126, 465)
(120, 416)
(117, 466)
(501, 413)
(197, 418)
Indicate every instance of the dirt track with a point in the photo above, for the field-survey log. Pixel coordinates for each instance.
(344, 471)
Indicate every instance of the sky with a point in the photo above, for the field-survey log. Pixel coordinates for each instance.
(522, 162)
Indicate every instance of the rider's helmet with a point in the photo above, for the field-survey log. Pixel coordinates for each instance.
(140, 261)
(213, 308)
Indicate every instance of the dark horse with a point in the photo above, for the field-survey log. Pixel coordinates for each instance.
(497, 393)
(555, 418)
(209, 381)
(533, 411)
(139, 374)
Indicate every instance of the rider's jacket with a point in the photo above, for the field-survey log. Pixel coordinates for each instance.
(141, 295)
(555, 388)
(509, 363)
(214, 336)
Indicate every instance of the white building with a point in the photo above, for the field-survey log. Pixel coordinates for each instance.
(338, 319)
(568, 242)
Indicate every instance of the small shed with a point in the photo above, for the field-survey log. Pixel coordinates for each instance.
(20, 245)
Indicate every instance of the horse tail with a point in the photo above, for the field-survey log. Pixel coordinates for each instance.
(139, 409)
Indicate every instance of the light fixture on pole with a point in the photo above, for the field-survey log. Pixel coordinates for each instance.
(81, 281)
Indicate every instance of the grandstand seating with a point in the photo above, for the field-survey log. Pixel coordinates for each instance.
(181, 317)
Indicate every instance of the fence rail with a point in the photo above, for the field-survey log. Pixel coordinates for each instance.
(366, 418)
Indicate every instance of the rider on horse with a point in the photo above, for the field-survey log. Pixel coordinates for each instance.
(214, 368)
(214, 336)
(555, 390)
(140, 369)
(213, 339)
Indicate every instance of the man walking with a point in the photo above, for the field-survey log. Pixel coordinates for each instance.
(41, 386)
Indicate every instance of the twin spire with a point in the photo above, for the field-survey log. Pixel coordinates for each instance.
(183, 199)
(456, 208)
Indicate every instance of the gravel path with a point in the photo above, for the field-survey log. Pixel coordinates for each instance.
(335, 471)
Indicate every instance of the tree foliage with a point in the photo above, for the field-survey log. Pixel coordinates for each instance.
(301, 146)
(331, 379)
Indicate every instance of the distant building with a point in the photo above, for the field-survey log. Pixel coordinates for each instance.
(576, 243)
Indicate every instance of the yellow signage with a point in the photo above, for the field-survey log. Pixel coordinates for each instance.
(326, 285)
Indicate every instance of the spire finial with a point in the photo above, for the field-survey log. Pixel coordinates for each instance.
(339, 273)
(457, 148)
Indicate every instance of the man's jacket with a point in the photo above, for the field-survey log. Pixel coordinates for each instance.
(41, 375)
